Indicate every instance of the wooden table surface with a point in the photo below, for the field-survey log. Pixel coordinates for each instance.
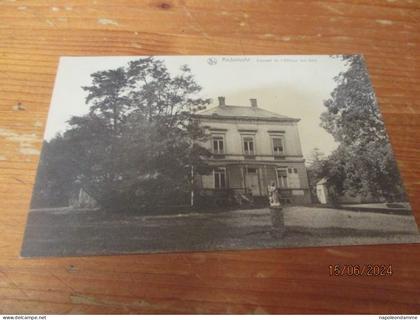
(33, 34)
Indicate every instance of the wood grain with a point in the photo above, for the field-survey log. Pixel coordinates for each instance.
(33, 34)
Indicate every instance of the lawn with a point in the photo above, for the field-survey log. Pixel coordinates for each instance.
(72, 232)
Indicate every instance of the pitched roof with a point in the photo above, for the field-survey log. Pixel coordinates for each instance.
(229, 111)
(322, 181)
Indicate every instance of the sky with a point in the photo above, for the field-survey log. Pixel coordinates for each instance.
(294, 86)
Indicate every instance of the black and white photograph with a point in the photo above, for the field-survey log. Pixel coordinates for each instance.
(150, 154)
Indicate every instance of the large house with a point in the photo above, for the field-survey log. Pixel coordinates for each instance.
(251, 149)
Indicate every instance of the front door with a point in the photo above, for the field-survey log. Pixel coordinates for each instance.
(252, 181)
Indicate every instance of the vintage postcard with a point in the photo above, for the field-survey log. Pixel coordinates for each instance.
(196, 153)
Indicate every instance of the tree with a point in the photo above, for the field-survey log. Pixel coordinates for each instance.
(332, 167)
(134, 149)
(365, 153)
(55, 175)
(315, 169)
(108, 99)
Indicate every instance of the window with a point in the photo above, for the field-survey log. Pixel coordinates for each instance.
(220, 178)
(252, 170)
(278, 148)
(282, 177)
(218, 145)
(248, 145)
(293, 178)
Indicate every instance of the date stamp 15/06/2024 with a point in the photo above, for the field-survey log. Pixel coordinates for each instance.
(368, 270)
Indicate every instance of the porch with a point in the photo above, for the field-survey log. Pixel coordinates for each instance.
(248, 182)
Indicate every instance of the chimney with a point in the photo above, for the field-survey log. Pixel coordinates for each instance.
(253, 103)
(222, 101)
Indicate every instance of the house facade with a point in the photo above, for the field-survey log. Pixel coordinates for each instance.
(251, 149)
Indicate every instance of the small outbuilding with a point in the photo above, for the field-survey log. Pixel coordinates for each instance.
(325, 194)
(322, 190)
(82, 199)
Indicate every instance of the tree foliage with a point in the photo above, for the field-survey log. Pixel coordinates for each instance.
(364, 162)
(136, 145)
(55, 175)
